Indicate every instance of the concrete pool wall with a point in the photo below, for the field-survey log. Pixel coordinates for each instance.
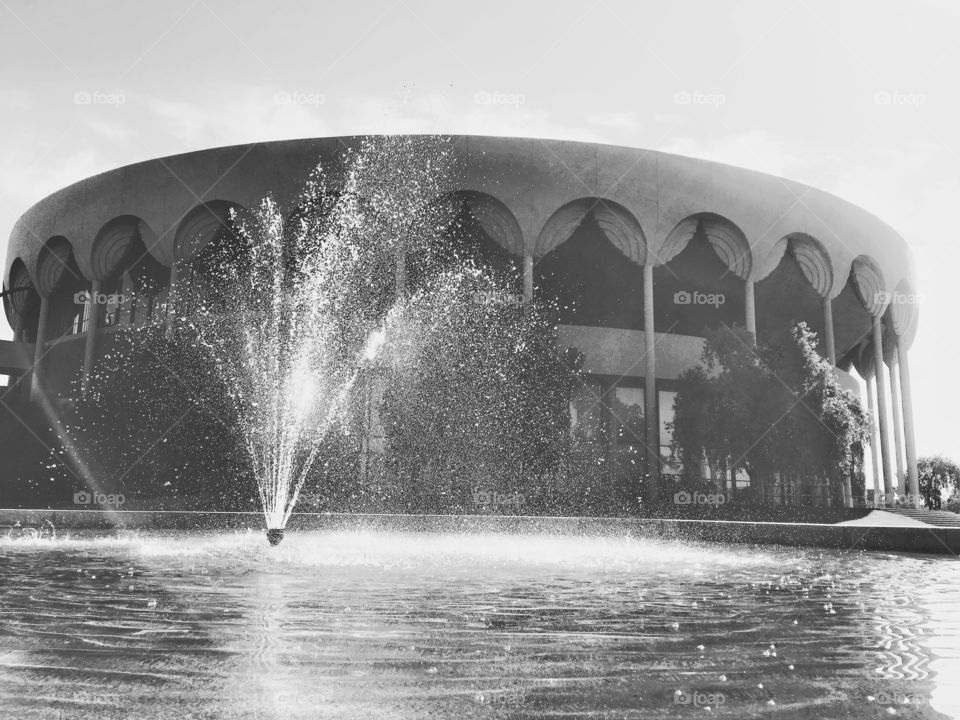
(934, 540)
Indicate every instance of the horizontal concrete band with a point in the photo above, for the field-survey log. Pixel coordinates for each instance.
(933, 540)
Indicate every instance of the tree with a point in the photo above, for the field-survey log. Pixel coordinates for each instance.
(476, 397)
(155, 425)
(939, 479)
(767, 410)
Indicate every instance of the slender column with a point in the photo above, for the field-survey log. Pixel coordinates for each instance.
(18, 327)
(528, 278)
(126, 313)
(400, 273)
(37, 379)
(874, 443)
(828, 331)
(650, 387)
(95, 310)
(897, 426)
(913, 482)
(882, 410)
(18, 336)
(365, 433)
(750, 309)
(171, 317)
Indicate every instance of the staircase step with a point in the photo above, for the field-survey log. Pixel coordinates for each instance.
(938, 518)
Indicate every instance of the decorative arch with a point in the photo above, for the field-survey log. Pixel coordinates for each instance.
(200, 226)
(903, 310)
(726, 239)
(869, 283)
(496, 219)
(56, 265)
(16, 302)
(861, 355)
(22, 305)
(616, 222)
(813, 260)
(121, 242)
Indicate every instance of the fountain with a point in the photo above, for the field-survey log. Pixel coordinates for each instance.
(303, 309)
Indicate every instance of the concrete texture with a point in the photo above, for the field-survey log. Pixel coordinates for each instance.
(652, 194)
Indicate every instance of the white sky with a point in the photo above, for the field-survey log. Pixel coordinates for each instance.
(798, 82)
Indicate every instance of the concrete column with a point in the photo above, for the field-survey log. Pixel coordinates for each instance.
(913, 481)
(171, 316)
(400, 273)
(37, 380)
(897, 423)
(528, 278)
(650, 388)
(882, 410)
(828, 331)
(18, 327)
(874, 443)
(127, 313)
(93, 322)
(366, 429)
(750, 309)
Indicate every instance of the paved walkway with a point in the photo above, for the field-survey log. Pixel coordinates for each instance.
(882, 518)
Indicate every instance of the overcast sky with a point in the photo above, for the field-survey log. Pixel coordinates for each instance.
(857, 98)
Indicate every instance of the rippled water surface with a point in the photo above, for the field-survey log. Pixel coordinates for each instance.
(390, 625)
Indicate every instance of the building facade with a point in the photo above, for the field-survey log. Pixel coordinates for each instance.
(643, 250)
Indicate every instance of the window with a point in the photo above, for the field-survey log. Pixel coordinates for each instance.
(586, 413)
(626, 407)
(669, 465)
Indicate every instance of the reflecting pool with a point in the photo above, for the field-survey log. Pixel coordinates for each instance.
(376, 624)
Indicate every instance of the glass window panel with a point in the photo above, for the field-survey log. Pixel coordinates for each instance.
(585, 413)
(627, 410)
(666, 398)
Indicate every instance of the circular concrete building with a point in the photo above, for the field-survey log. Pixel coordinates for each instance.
(643, 250)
